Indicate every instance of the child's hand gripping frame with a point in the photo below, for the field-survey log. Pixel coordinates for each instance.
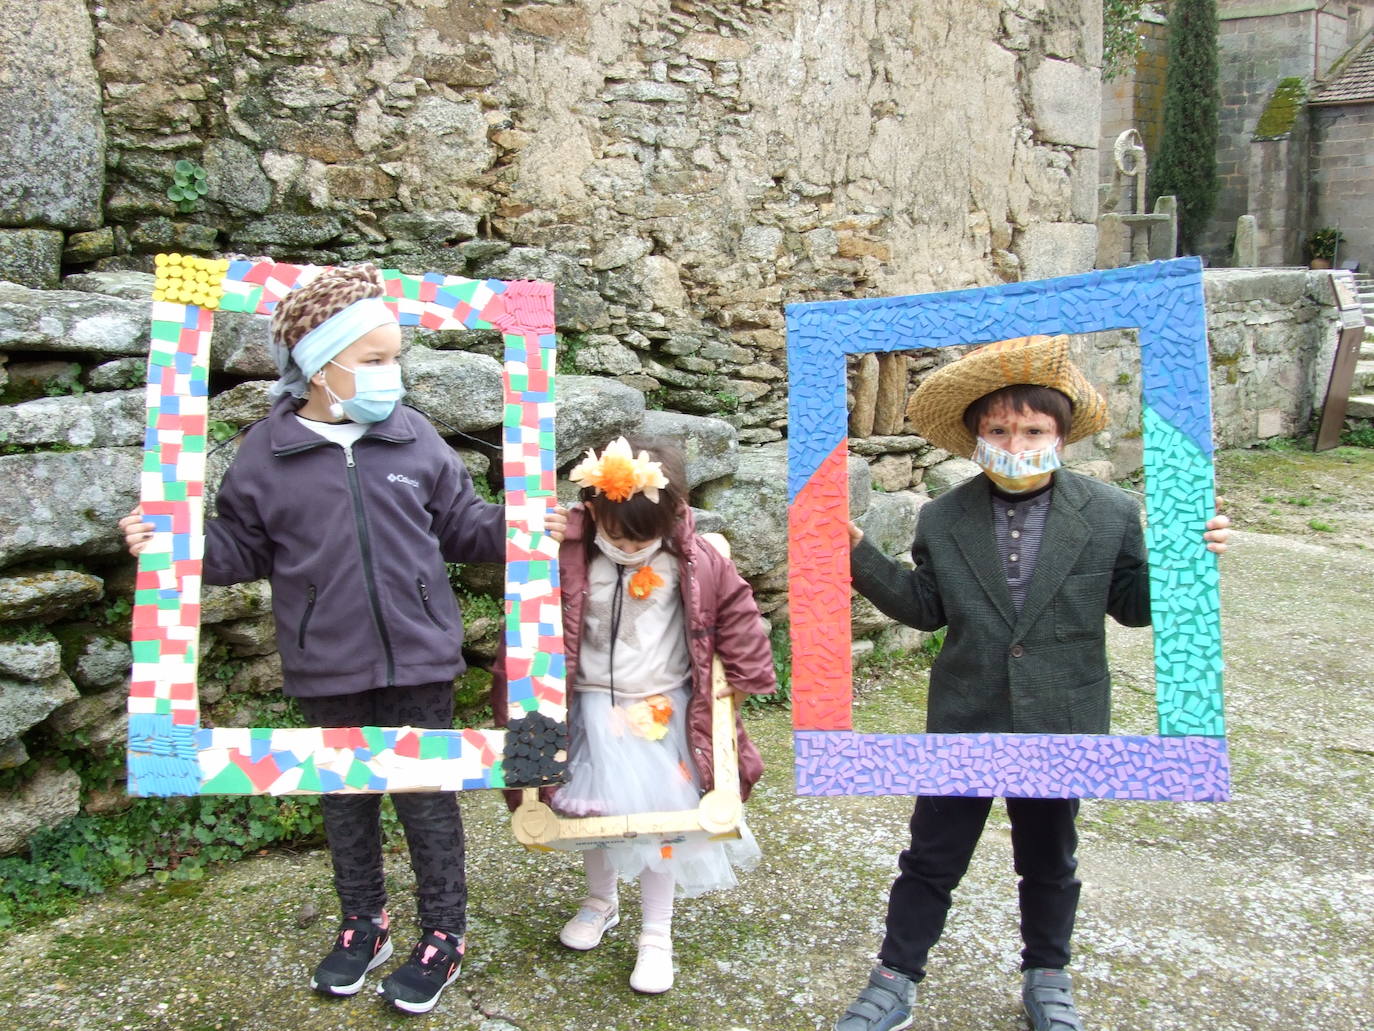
(170, 753)
(1187, 761)
(717, 816)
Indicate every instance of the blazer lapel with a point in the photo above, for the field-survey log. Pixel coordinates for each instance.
(1066, 534)
(977, 540)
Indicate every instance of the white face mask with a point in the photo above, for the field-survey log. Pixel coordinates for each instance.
(1016, 473)
(376, 390)
(627, 558)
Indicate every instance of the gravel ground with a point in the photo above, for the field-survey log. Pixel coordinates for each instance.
(1247, 915)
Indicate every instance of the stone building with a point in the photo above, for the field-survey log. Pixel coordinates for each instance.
(1342, 127)
(1276, 173)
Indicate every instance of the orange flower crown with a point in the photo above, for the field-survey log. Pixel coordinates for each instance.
(619, 473)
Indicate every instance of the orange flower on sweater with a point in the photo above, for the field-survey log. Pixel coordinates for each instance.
(644, 581)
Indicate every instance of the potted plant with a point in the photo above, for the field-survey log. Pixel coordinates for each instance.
(1321, 246)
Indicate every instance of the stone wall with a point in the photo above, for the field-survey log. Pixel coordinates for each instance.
(680, 169)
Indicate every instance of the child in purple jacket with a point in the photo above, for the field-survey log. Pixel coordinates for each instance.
(351, 505)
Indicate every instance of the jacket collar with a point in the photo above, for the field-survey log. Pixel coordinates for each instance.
(288, 436)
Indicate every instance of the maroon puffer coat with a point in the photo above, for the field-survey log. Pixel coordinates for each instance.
(721, 617)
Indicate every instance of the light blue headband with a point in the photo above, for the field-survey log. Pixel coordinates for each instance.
(335, 333)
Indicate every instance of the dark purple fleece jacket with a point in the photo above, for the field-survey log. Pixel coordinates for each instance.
(354, 543)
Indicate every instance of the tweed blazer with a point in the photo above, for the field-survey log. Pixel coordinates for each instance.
(1044, 670)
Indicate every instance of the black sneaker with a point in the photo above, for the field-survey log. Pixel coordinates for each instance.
(415, 986)
(360, 947)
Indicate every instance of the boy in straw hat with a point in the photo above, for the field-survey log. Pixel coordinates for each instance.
(1021, 564)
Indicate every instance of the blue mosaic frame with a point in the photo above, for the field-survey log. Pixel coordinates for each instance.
(1187, 760)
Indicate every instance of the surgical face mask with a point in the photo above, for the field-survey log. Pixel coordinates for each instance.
(376, 390)
(1016, 473)
(628, 558)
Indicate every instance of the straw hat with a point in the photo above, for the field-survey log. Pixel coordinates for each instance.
(937, 407)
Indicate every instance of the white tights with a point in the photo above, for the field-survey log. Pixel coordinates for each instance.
(655, 890)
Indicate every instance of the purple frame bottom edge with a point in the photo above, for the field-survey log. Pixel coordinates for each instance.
(1143, 768)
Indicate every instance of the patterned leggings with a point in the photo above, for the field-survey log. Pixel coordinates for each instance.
(432, 821)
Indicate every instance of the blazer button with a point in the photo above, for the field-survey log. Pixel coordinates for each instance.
(1017, 651)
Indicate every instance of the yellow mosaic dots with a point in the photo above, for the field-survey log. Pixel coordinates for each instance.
(187, 279)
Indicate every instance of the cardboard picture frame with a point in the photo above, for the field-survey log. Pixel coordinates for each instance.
(1187, 760)
(169, 751)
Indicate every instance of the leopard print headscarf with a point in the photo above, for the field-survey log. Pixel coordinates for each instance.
(303, 309)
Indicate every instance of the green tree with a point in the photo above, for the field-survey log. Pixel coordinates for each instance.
(1120, 36)
(1186, 165)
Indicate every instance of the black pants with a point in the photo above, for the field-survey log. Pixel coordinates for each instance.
(432, 821)
(944, 833)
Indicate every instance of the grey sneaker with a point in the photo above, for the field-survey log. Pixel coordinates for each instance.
(884, 1004)
(1048, 997)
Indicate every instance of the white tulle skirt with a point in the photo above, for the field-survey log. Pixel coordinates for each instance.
(632, 757)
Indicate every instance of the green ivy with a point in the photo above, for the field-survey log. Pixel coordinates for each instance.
(1120, 37)
(1282, 110)
(188, 185)
(780, 641)
(220, 431)
(170, 839)
(569, 344)
(1359, 436)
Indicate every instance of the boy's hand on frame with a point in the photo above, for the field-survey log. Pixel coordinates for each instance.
(1218, 533)
(855, 535)
(136, 532)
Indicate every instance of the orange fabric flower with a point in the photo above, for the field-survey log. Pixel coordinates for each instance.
(617, 478)
(660, 707)
(644, 581)
(642, 721)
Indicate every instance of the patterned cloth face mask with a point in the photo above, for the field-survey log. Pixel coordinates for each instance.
(1016, 473)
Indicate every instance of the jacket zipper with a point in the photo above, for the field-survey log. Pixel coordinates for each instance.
(424, 600)
(305, 619)
(365, 545)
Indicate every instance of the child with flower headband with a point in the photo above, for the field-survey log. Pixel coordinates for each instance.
(647, 604)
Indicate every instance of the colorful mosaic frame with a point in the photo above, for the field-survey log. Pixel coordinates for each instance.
(170, 753)
(1187, 760)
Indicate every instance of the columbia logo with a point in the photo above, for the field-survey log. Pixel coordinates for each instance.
(398, 478)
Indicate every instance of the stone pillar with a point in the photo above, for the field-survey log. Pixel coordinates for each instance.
(890, 410)
(1245, 254)
(1278, 195)
(864, 387)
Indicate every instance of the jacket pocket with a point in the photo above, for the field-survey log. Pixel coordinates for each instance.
(305, 616)
(1080, 607)
(424, 600)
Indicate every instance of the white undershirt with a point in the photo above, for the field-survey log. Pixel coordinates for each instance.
(345, 434)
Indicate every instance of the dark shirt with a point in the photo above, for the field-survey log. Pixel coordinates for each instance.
(1019, 523)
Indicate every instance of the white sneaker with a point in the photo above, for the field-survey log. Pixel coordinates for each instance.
(653, 971)
(593, 919)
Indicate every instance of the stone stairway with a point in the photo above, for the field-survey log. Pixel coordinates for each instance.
(1362, 390)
